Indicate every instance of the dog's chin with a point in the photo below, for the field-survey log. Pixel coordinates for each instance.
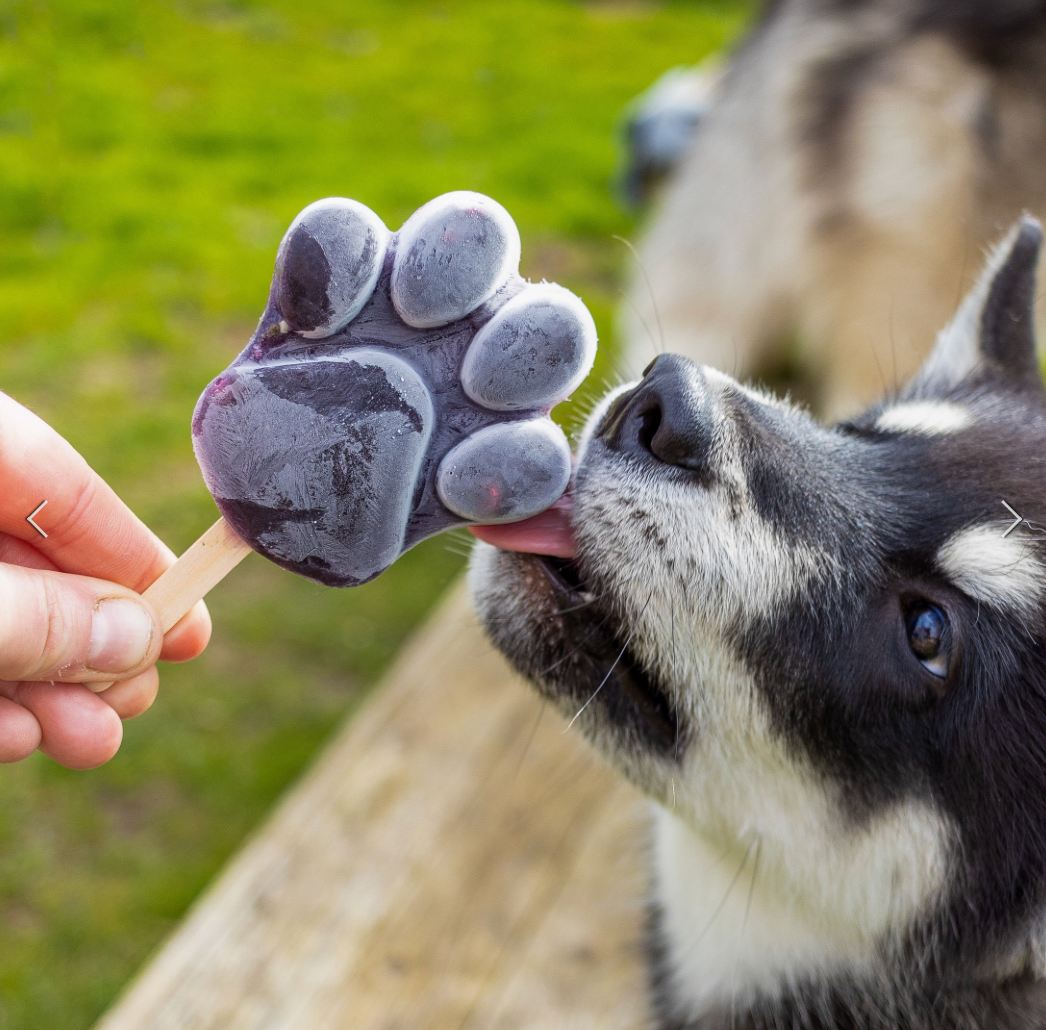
(569, 639)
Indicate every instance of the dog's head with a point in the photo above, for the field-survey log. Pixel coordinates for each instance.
(829, 643)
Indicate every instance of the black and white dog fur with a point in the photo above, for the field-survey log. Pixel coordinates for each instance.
(823, 651)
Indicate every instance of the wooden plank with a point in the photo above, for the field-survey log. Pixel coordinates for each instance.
(453, 861)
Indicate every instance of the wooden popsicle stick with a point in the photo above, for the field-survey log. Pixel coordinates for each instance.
(192, 576)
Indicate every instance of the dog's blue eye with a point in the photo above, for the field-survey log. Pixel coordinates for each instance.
(927, 637)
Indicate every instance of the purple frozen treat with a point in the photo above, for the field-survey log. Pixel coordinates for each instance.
(397, 385)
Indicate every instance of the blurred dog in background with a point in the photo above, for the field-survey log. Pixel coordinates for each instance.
(828, 196)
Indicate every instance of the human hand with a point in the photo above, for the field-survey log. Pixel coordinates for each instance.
(69, 606)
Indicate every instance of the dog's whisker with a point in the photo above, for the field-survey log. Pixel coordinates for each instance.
(646, 328)
(722, 902)
(459, 549)
(571, 654)
(530, 738)
(744, 923)
(573, 608)
(621, 654)
(892, 389)
(610, 671)
(659, 344)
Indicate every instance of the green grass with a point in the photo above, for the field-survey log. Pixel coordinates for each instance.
(150, 155)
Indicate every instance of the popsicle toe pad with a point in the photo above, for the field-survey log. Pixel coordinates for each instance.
(398, 384)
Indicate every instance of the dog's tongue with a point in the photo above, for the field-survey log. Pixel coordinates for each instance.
(546, 533)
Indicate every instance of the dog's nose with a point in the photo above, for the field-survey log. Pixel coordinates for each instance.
(667, 416)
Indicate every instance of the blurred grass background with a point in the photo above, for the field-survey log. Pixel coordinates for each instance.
(151, 154)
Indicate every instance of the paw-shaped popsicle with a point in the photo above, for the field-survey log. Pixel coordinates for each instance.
(398, 384)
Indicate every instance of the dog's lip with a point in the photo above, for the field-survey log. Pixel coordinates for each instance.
(548, 533)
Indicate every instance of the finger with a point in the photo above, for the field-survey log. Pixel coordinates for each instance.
(183, 642)
(90, 531)
(72, 628)
(189, 636)
(17, 552)
(129, 698)
(19, 731)
(77, 729)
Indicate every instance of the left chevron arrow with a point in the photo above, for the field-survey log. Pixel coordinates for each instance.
(29, 518)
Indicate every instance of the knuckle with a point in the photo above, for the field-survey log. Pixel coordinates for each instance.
(54, 654)
(39, 637)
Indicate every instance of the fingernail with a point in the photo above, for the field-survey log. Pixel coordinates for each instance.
(121, 633)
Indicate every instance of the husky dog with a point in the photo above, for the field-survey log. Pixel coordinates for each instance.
(850, 167)
(823, 651)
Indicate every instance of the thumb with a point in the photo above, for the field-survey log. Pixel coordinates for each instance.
(74, 629)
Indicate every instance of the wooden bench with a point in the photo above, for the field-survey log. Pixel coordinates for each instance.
(454, 860)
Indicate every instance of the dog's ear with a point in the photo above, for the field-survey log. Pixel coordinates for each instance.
(993, 332)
